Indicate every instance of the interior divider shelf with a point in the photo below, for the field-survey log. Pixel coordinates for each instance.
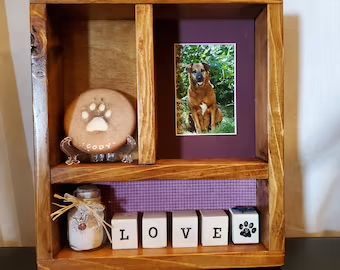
(162, 170)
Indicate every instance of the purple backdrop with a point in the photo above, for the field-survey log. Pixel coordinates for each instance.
(167, 195)
(241, 32)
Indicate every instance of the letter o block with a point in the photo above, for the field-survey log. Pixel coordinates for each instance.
(124, 231)
(184, 229)
(154, 230)
(214, 227)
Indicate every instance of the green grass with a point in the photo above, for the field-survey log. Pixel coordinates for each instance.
(227, 126)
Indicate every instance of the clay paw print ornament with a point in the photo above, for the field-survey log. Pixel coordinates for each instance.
(99, 122)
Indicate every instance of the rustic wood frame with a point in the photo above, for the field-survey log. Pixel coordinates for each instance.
(268, 168)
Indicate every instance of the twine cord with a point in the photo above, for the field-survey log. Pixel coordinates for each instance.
(92, 206)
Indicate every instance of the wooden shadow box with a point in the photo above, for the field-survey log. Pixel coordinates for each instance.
(126, 45)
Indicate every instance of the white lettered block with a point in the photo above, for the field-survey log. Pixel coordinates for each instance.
(154, 230)
(124, 231)
(214, 227)
(184, 229)
(244, 225)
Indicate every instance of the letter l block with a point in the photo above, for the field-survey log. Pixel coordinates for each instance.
(184, 229)
(154, 230)
(124, 231)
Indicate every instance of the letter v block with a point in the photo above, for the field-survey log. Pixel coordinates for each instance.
(214, 227)
(154, 230)
(124, 231)
(184, 229)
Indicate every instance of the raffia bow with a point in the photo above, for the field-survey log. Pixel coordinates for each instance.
(91, 205)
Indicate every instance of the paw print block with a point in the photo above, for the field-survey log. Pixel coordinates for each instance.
(244, 225)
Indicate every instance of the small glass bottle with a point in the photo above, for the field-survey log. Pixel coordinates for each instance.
(84, 230)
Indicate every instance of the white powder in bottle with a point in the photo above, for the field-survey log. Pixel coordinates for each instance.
(84, 231)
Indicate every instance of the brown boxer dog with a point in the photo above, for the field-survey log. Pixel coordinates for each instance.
(202, 98)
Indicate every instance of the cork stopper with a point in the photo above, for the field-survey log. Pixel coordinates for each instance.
(87, 192)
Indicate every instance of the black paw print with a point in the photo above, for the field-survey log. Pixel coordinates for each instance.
(247, 229)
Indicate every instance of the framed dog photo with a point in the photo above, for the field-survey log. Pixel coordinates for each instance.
(205, 85)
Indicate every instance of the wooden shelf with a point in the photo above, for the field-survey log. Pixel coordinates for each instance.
(162, 170)
(170, 258)
(88, 45)
(155, 1)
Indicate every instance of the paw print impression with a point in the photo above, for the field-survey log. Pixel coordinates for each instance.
(99, 121)
(247, 229)
(96, 116)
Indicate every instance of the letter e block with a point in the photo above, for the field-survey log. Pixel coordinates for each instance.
(184, 229)
(154, 230)
(214, 227)
(124, 231)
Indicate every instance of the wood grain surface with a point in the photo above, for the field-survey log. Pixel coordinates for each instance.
(95, 54)
(275, 128)
(107, 252)
(261, 85)
(156, 1)
(112, 56)
(104, 12)
(41, 149)
(166, 258)
(164, 169)
(262, 204)
(99, 54)
(145, 85)
(313, 254)
(55, 77)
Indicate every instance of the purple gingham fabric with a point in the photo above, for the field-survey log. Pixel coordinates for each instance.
(168, 195)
